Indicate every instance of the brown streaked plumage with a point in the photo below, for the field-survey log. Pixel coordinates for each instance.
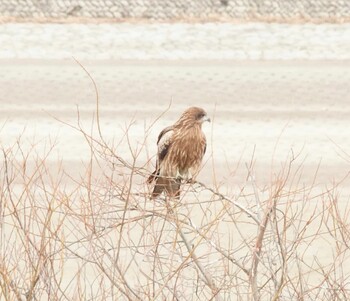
(181, 148)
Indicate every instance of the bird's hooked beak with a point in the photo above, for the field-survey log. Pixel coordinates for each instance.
(206, 118)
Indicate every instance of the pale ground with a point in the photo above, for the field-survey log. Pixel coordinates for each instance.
(271, 109)
(300, 94)
(228, 41)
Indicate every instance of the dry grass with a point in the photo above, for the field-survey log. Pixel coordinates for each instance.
(100, 237)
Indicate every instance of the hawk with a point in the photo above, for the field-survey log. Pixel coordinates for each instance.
(181, 148)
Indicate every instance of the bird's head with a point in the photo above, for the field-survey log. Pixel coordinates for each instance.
(197, 115)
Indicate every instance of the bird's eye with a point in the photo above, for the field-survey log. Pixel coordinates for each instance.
(200, 115)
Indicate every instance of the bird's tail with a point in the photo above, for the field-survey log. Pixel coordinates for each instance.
(170, 186)
(153, 176)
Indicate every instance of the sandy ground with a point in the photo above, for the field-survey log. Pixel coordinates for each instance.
(296, 103)
(135, 41)
(269, 109)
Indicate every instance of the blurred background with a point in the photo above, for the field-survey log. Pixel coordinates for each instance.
(77, 224)
(274, 76)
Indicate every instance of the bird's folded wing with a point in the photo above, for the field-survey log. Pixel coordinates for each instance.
(164, 143)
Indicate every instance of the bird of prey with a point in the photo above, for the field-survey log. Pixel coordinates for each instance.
(181, 148)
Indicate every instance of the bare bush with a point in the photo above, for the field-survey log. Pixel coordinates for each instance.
(101, 237)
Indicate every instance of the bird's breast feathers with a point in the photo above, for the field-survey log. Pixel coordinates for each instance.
(185, 150)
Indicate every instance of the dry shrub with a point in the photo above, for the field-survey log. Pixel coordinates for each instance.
(101, 237)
